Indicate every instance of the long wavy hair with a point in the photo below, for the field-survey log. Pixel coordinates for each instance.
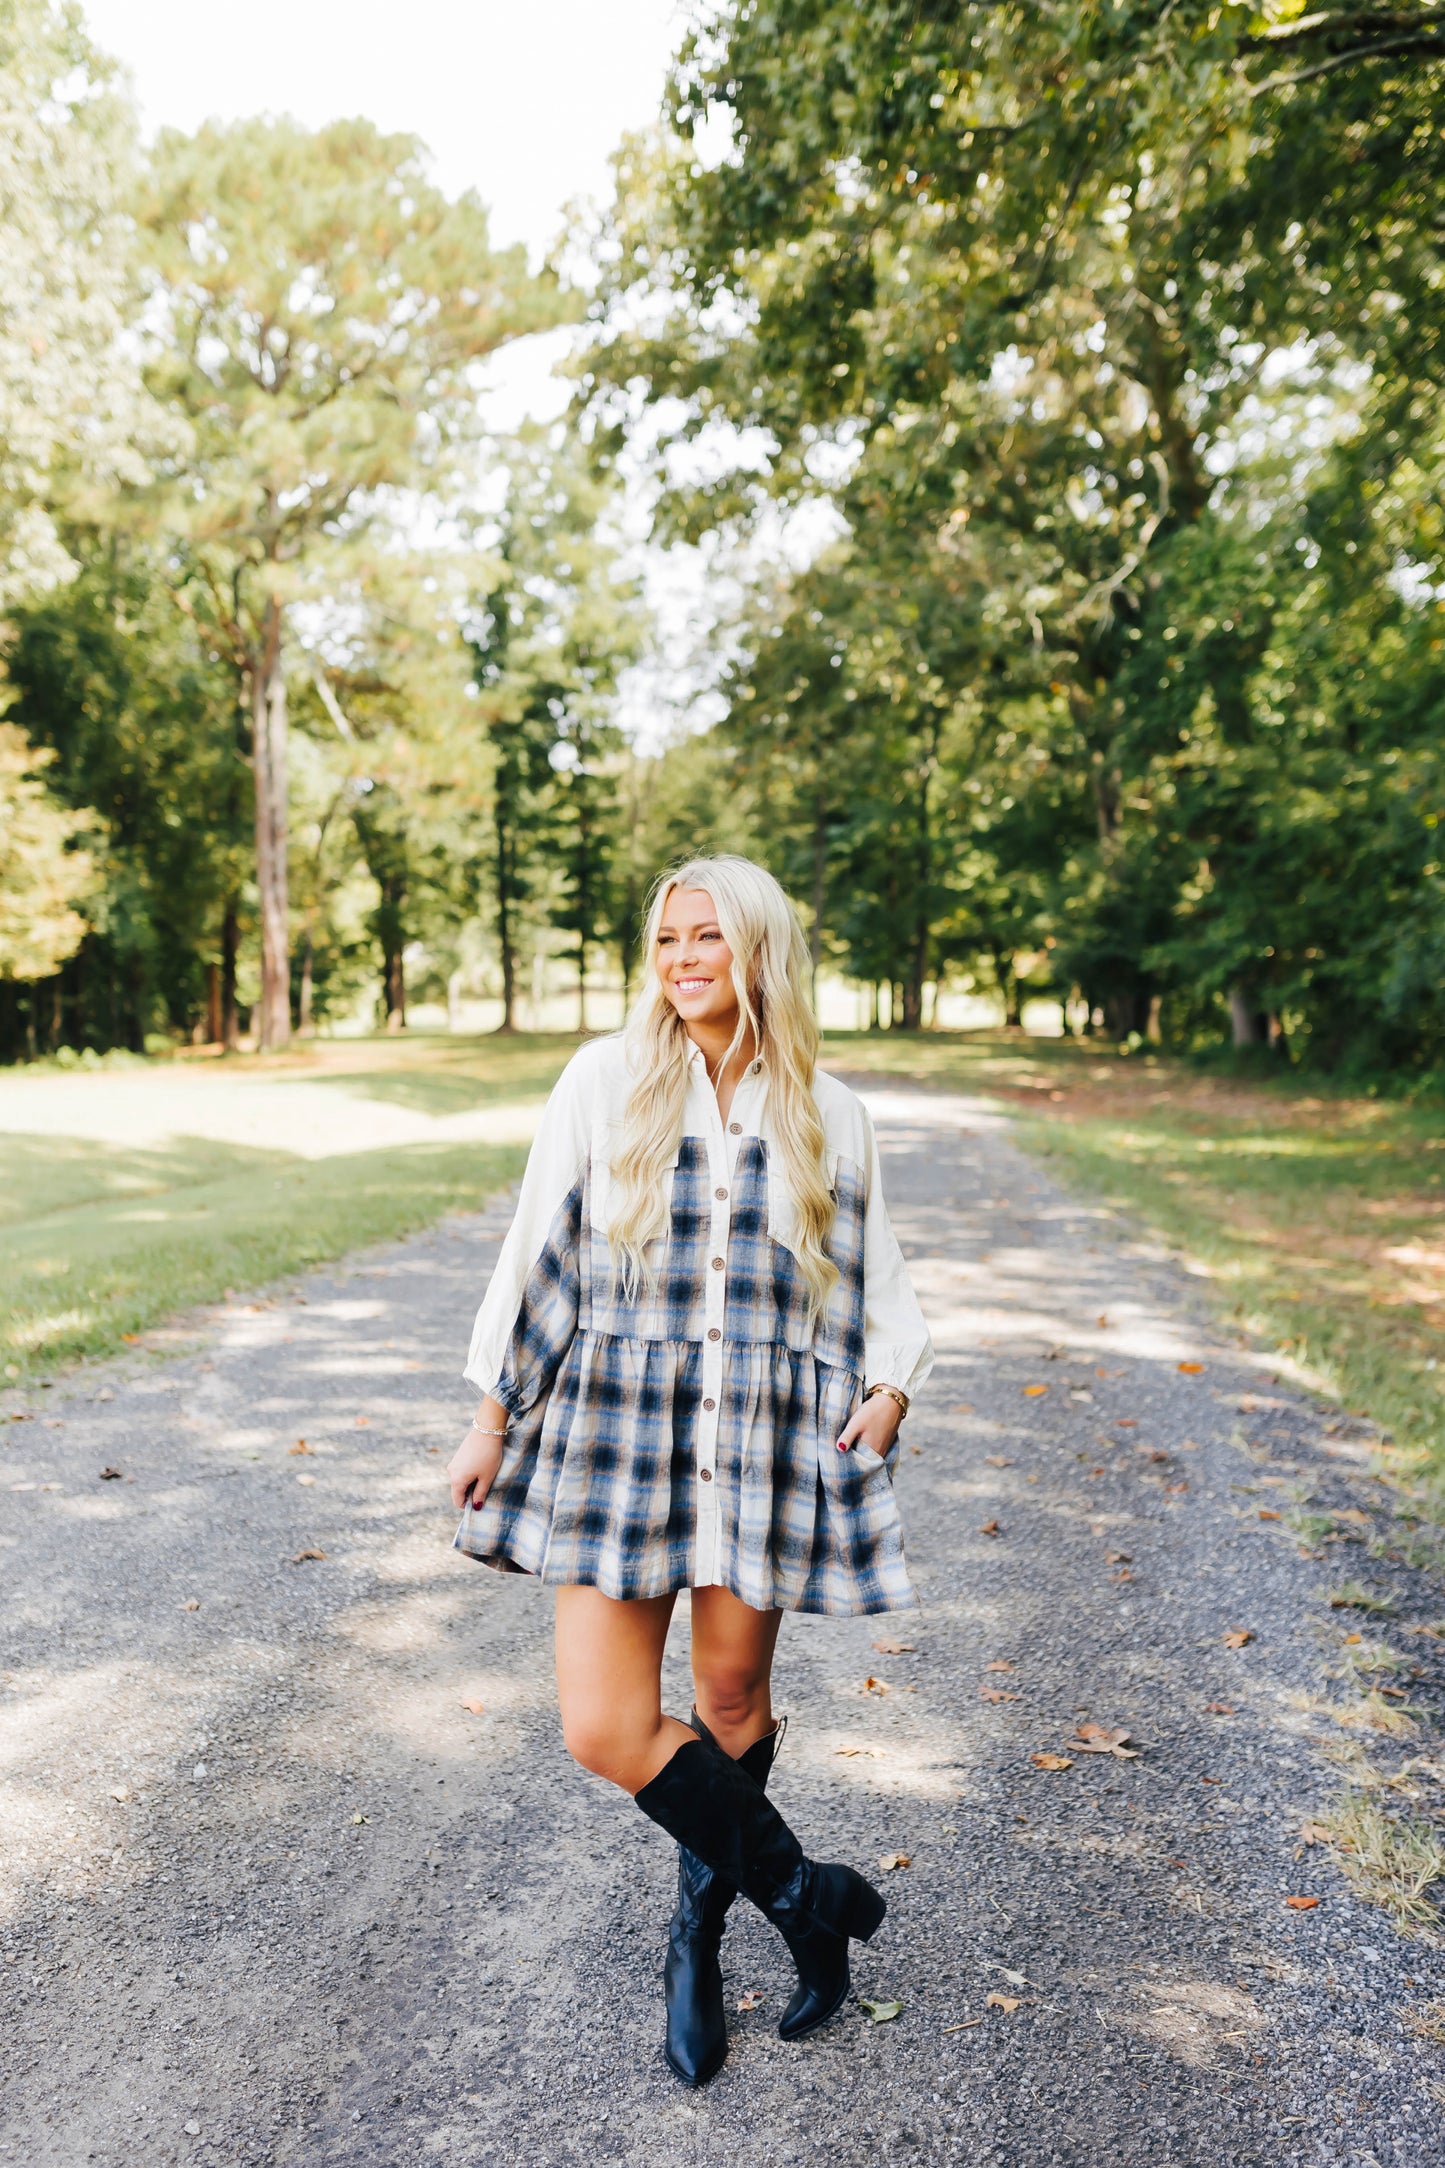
(770, 977)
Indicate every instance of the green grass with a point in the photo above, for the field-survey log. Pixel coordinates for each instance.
(75, 1281)
(101, 1241)
(1316, 1218)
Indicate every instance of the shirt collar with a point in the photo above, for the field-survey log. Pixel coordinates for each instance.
(697, 1059)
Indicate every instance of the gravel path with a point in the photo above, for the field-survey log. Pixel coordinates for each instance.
(275, 1893)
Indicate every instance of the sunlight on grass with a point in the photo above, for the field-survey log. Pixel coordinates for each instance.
(128, 1235)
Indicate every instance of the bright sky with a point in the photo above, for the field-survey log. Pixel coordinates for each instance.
(522, 100)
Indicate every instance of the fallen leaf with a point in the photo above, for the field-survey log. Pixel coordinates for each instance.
(363, 1422)
(1126, 1422)
(1032, 1392)
(1125, 1573)
(1239, 1637)
(1353, 1515)
(990, 1528)
(306, 1479)
(121, 1792)
(882, 2013)
(302, 1556)
(191, 1604)
(477, 1708)
(1302, 1904)
(997, 1693)
(1099, 1739)
(1118, 1558)
(847, 1751)
(1191, 1370)
(1352, 1641)
(1102, 1321)
(895, 1648)
(130, 1338)
(996, 1460)
(1267, 1513)
(890, 1861)
(299, 1447)
(751, 2001)
(1007, 2003)
(358, 1818)
(875, 1686)
(1051, 1761)
(962, 1407)
(111, 1475)
(999, 1663)
(1219, 1708)
(1315, 1833)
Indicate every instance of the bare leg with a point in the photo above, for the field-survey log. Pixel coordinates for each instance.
(732, 1667)
(609, 1684)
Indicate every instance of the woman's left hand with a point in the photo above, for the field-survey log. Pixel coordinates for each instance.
(873, 1425)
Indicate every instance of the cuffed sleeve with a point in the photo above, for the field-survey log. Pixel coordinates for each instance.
(528, 1317)
(897, 1349)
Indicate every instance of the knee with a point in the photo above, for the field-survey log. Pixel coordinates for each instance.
(731, 1696)
(605, 1749)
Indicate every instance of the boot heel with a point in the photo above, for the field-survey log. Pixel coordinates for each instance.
(864, 1910)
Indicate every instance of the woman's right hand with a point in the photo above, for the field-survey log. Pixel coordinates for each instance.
(473, 1467)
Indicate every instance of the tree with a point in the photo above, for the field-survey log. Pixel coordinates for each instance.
(551, 640)
(43, 876)
(321, 307)
(1016, 289)
(140, 713)
(72, 411)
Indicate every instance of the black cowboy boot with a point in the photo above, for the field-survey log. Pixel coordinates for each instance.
(705, 1802)
(697, 2037)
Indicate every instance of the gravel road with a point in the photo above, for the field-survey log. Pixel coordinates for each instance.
(275, 1891)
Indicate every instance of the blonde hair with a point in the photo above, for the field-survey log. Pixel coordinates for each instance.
(770, 978)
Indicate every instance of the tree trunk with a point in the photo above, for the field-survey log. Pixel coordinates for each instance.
(820, 882)
(213, 1004)
(230, 946)
(395, 988)
(306, 993)
(268, 757)
(1246, 1026)
(505, 942)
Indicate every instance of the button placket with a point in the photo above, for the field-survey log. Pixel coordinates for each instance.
(709, 1508)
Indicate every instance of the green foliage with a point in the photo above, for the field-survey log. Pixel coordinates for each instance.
(139, 715)
(42, 875)
(1108, 332)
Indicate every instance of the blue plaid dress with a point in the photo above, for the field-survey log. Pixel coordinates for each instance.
(685, 1438)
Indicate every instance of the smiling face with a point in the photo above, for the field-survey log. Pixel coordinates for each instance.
(694, 962)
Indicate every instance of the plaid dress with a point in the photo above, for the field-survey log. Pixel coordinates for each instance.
(685, 1437)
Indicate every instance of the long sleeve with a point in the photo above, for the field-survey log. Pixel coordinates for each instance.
(528, 1317)
(897, 1347)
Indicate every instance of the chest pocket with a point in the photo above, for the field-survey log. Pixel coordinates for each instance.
(782, 1209)
(603, 1190)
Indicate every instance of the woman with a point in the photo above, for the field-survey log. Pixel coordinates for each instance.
(696, 1351)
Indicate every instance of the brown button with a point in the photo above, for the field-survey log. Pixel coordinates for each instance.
(735, 1129)
(709, 1405)
(714, 1332)
(718, 1263)
(705, 1475)
(721, 1194)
